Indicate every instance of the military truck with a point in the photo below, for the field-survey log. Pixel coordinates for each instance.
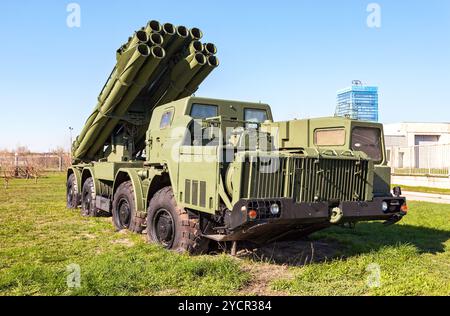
(191, 171)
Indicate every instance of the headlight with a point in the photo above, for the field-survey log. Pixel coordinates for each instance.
(384, 206)
(274, 209)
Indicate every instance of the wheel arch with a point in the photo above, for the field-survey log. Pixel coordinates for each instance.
(157, 183)
(88, 172)
(124, 175)
(77, 173)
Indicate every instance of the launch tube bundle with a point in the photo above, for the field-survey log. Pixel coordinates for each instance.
(159, 64)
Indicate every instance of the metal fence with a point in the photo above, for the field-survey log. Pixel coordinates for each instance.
(424, 160)
(42, 162)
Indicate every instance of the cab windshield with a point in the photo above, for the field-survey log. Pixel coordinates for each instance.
(203, 111)
(254, 115)
(368, 140)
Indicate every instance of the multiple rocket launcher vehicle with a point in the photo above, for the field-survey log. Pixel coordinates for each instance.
(138, 157)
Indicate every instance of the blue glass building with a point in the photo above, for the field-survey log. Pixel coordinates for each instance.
(358, 102)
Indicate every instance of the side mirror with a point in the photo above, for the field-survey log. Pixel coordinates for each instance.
(397, 191)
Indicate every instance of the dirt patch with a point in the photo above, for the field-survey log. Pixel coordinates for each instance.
(89, 236)
(166, 292)
(291, 253)
(262, 276)
(271, 262)
(124, 242)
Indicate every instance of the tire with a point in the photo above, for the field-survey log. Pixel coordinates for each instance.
(171, 226)
(72, 192)
(88, 199)
(124, 209)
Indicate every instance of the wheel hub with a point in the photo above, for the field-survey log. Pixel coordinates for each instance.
(124, 212)
(70, 195)
(86, 203)
(164, 228)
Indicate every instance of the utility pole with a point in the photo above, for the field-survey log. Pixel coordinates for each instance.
(71, 142)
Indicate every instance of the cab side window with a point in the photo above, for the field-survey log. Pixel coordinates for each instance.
(329, 137)
(166, 119)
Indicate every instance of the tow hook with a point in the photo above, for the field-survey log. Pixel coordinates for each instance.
(336, 215)
(394, 219)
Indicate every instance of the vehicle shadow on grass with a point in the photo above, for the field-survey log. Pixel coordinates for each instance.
(337, 242)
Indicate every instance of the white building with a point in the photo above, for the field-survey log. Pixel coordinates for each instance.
(416, 134)
(419, 153)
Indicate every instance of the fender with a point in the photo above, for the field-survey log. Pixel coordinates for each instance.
(77, 173)
(157, 179)
(132, 175)
(89, 172)
(173, 176)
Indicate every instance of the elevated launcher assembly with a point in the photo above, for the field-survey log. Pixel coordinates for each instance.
(159, 64)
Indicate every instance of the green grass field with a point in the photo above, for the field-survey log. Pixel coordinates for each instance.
(424, 189)
(40, 238)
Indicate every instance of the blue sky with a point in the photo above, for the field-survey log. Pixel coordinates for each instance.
(293, 55)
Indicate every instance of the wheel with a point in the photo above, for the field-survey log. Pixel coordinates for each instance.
(72, 192)
(124, 209)
(171, 226)
(88, 199)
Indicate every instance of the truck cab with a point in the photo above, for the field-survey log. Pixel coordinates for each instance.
(173, 122)
(331, 135)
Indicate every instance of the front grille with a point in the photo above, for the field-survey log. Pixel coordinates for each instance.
(305, 179)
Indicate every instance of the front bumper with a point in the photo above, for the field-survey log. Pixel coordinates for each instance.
(296, 216)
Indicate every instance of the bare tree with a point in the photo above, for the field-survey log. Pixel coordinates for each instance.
(60, 151)
(21, 150)
(7, 173)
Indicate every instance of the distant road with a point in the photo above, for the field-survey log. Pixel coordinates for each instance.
(426, 197)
